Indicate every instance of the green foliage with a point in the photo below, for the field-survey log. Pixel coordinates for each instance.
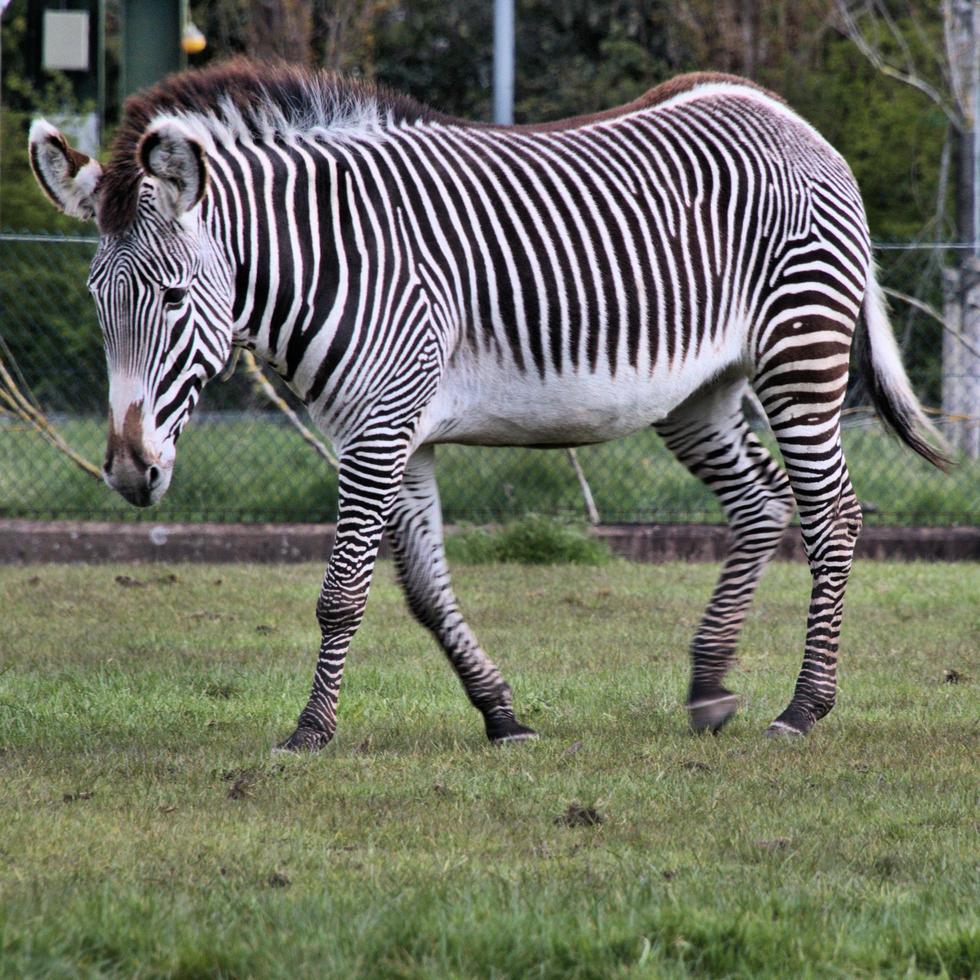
(49, 327)
(22, 205)
(581, 56)
(574, 57)
(23, 88)
(532, 540)
(891, 135)
(148, 832)
(438, 52)
(472, 546)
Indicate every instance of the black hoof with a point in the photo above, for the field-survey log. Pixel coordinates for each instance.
(508, 729)
(709, 713)
(793, 721)
(304, 740)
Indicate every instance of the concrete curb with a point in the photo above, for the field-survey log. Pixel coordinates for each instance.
(27, 542)
(709, 542)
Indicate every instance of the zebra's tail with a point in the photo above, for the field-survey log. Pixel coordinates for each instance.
(884, 374)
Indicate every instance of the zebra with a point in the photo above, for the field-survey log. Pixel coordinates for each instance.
(417, 279)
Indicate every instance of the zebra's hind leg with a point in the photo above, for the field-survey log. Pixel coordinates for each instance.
(415, 530)
(710, 436)
(803, 399)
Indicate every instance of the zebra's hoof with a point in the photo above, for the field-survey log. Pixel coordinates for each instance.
(303, 740)
(502, 730)
(779, 729)
(793, 721)
(709, 714)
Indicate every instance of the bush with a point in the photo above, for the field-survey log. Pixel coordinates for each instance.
(533, 540)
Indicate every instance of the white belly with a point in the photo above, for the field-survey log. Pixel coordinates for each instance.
(490, 404)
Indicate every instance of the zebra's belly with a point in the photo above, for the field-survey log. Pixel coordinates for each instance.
(506, 409)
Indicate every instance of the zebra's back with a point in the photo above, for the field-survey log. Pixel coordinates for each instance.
(600, 274)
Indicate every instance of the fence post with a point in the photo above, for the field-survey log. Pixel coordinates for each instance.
(961, 366)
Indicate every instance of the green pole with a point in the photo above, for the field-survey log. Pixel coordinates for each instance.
(151, 50)
(100, 68)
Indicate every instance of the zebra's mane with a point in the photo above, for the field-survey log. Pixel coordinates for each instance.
(242, 99)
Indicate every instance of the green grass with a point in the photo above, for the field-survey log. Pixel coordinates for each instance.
(532, 540)
(256, 470)
(146, 830)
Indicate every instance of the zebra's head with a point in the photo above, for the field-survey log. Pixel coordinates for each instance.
(162, 289)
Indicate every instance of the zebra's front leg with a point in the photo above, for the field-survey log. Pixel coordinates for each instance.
(415, 529)
(368, 483)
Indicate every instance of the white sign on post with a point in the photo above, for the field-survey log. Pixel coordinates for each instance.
(66, 40)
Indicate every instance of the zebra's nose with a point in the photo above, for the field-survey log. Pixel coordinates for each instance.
(132, 476)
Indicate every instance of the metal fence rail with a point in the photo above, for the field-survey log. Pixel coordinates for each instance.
(240, 460)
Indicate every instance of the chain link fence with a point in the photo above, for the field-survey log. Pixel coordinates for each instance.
(241, 459)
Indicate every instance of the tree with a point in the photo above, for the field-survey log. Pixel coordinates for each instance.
(941, 60)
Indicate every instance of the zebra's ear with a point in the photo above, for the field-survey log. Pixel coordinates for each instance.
(67, 177)
(175, 160)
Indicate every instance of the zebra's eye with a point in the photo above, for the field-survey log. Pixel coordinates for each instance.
(174, 295)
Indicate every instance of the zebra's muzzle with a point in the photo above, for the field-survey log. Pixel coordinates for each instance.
(131, 468)
(138, 483)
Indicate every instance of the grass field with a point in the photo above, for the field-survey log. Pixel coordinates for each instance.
(147, 831)
(256, 470)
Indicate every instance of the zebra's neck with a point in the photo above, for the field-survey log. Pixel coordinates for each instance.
(317, 261)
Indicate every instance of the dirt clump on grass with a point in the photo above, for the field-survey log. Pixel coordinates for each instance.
(242, 782)
(128, 582)
(85, 794)
(577, 815)
(220, 691)
(692, 765)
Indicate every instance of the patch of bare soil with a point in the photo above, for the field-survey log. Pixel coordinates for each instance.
(577, 815)
(128, 582)
(243, 781)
